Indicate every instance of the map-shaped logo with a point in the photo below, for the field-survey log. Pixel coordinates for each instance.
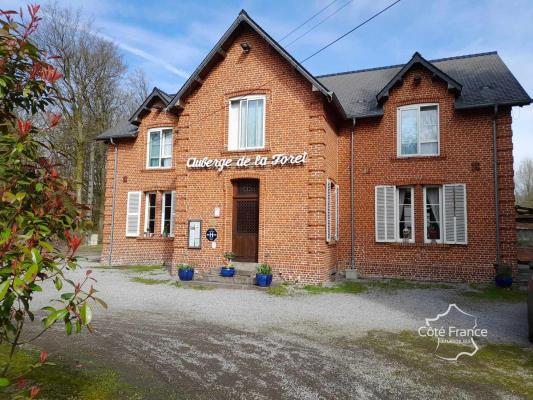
(455, 331)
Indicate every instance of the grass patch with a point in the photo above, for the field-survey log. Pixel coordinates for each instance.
(150, 281)
(489, 292)
(279, 290)
(399, 284)
(65, 381)
(199, 287)
(90, 249)
(133, 268)
(344, 287)
(496, 369)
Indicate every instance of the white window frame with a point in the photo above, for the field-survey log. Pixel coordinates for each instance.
(233, 133)
(138, 214)
(147, 210)
(172, 213)
(416, 107)
(399, 237)
(161, 147)
(441, 216)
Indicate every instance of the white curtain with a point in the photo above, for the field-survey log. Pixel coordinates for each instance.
(433, 200)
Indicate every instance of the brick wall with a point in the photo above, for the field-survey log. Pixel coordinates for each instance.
(292, 198)
(465, 157)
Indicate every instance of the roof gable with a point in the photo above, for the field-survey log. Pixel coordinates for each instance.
(417, 59)
(485, 80)
(156, 94)
(220, 48)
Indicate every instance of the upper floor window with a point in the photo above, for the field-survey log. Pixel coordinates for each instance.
(418, 130)
(247, 123)
(160, 148)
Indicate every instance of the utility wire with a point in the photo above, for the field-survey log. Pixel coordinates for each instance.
(320, 23)
(304, 60)
(350, 31)
(307, 20)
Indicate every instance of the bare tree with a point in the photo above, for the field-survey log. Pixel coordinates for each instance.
(136, 90)
(524, 181)
(94, 94)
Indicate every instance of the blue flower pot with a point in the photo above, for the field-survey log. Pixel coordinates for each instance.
(186, 274)
(227, 272)
(263, 280)
(503, 281)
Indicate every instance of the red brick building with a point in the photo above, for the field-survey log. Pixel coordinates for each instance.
(397, 171)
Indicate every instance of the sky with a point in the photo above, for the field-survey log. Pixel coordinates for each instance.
(169, 38)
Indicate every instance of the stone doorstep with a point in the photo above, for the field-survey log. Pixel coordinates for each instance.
(221, 285)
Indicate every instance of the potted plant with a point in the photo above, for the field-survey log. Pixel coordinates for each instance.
(185, 272)
(263, 277)
(504, 276)
(228, 270)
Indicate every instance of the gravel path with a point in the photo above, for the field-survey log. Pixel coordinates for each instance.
(248, 344)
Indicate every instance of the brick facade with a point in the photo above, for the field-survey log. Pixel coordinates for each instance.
(292, 199)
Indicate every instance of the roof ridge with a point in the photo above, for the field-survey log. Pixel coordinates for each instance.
(401, 65)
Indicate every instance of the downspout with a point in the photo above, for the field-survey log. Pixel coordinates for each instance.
(113, 195)
(496, 185)
(352, 196)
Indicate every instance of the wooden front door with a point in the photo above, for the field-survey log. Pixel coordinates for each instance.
(246, 219)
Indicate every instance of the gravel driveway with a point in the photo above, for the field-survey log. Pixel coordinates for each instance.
(247, 344)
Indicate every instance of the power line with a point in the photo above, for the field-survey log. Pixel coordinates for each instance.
(307, 20)
(320, 23)
(350, 31)
(312, 55)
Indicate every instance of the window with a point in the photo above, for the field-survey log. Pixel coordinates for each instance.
(133, 213)
(332, 211)
(405, 222)
(418, 130)
(149, 218)
(167, 218)
(247, 123)
(433, 214)
(160, 148)
(445, 214)
(394, 214)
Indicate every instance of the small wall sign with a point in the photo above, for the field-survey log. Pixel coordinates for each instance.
(195, 234)
(211, 234)
(281, 159)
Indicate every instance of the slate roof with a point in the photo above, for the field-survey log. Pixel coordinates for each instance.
(478, 80)
(122, 130)
(484, 77)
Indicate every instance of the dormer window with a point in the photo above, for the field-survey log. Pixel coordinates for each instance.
(418, 130)
(159, 148)
(247, 123)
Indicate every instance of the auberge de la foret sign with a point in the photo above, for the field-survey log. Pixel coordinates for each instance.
(220, 164)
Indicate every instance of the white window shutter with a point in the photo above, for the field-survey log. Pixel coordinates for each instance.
(328, 200)
(133, 214)
(172, 212)
(385, 213)
(455, 219)
(336, 212)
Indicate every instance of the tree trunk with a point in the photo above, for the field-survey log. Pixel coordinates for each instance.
(78, 163)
